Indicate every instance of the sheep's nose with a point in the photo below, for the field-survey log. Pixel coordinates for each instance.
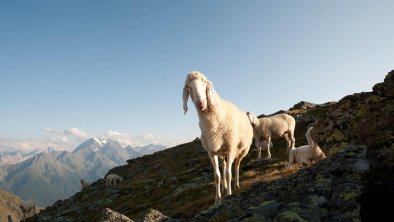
(200, 104)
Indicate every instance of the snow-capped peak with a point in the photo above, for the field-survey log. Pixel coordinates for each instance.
(100, 140)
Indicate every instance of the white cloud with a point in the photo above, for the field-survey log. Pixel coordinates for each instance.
(73, 132)
(69, 139)
(77, 133)
(126, 139)
(22, 144)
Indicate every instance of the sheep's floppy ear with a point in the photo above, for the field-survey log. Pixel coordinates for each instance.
(210, 92)
(185, 98)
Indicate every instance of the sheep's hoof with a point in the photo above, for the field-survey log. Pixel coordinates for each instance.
(268, 158)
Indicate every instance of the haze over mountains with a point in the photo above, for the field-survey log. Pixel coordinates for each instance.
(52, 175)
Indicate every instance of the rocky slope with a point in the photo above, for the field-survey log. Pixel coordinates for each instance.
(9, 207)
(352, 184)
(328, 191)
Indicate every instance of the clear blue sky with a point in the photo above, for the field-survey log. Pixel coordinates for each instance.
(74, 69)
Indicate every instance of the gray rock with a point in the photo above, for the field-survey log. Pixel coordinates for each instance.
(268, 209)
(113, 216)
(155, 216)
(289, 216)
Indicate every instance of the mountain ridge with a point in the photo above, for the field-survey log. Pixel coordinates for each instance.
(55, 175)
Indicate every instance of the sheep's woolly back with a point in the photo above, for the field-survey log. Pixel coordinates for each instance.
(194, 75)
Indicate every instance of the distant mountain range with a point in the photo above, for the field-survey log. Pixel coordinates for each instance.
(15, 156)
(52, 175)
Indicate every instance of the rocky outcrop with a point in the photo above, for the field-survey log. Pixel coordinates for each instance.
(327, 191)
(385, 88)
(362, 118)
(303, 105)
(155, 216)
(113, 216)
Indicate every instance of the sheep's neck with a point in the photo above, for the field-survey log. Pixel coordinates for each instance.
(211, 114)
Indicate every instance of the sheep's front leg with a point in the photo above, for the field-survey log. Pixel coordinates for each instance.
(216, 171)
(230, 160)
(258, 150)
(224, 167)
(259, 142)
(268, 148)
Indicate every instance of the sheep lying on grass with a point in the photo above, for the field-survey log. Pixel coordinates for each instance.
(265, 128)
(84, 183)
(308, 154)
(113, 180)
(226, 132)
(26, 207)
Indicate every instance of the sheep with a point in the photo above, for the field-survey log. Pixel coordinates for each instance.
(113, 178)
(84, 183)
(226, 132)
(308, 154)
(267, 128)
(26, 207)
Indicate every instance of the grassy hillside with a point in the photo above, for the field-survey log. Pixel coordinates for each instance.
(352, 184)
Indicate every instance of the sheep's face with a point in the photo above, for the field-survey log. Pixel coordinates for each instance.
(200, 89)
(198, 92)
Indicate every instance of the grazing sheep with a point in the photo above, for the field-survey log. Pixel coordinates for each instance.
(27, 207)
(113, 179)
(308, 154)
(226, 132)
(265, 128)
(84, 183)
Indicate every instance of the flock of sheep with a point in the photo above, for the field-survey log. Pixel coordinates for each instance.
(227, 134)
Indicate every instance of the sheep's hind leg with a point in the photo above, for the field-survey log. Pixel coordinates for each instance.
(237, 164)
(288, 141)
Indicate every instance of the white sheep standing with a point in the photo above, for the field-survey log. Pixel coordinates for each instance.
(267, 128)
(226, 132)
(26, 207)
(308, 154)
(113, 179)
(84, 183)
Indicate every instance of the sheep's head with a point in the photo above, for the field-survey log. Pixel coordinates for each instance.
(200, 90)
